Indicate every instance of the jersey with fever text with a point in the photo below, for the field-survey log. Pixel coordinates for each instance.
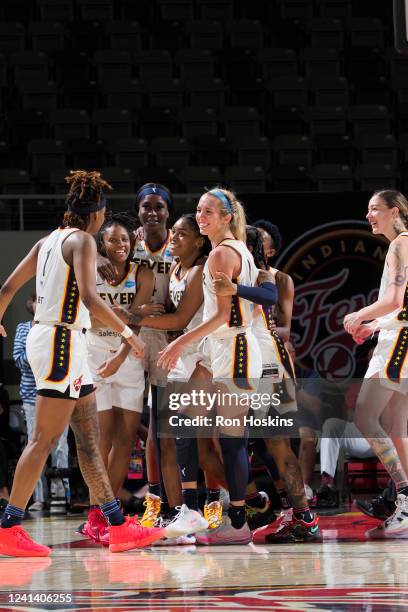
(122, 294)
(159, 262)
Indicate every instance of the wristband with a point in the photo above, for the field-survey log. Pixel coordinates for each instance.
(126, 332)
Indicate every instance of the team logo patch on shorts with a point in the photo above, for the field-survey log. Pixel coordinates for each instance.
(77, 382)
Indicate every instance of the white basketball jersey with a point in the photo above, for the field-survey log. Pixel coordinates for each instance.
(177, 288)
(159, 262)
(58, 299)
(241, 310)
(399, 317)
(123, 294)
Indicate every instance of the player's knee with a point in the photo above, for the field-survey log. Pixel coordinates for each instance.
(44, 443)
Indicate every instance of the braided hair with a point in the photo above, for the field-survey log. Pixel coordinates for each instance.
(273, 231)
(255, 244)
(85, 188)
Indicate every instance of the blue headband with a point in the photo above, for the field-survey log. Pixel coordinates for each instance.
(154, 191)
(223, 198)
(87, 207)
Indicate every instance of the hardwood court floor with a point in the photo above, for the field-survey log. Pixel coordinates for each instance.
(344, 572)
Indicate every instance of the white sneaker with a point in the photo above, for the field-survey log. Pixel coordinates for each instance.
(396, 525)
(36, 506)
(186, 522)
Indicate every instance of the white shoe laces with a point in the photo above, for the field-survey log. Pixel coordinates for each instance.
(181, 512)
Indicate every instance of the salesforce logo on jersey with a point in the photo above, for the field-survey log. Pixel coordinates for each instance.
(130, 283)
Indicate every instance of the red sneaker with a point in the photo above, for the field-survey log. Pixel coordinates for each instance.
(15, 542)
(132, 535)
(96, 526)
(277, 531)
(104, 536)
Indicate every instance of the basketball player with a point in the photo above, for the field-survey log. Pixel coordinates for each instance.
(300, 524)
(154, 205)
(119, 395)
(186, 293)
(190, 248)
(381, 412)
(64, 264)
(280, 322)
(230, 346)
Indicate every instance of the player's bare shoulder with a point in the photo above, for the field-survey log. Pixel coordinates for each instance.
(283, 280)
(266, 276)
(81, 242)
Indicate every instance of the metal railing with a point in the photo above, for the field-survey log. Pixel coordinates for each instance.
(44, 210)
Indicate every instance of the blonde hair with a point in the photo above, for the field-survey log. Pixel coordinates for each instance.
(238, 221)
(391, 198)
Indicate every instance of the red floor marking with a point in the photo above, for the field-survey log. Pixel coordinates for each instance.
(348, 527)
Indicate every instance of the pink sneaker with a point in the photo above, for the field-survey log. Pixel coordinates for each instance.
(225, 534)
(132, 535)
(15, 542)
(96, 527)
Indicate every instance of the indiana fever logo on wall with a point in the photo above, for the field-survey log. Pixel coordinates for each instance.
(336, 268)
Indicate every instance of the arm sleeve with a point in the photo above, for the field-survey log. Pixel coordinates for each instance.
(266, 294)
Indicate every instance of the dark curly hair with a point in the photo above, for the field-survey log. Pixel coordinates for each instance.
(273, 231)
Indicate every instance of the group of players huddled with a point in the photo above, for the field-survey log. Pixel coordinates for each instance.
(197, 310)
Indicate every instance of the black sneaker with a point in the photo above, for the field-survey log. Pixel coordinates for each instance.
(306, 532)
(327, 497)
(377, 507)
(258, 517)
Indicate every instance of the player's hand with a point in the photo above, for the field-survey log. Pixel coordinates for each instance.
(109, 367)
(362, 333)
(137, 344)
(352, 322)
(222, 285)
(105, 269)
(148, 310)
(3, 331)
(121, 312)
(170, 355)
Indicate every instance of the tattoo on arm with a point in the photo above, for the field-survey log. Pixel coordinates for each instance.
(401, 276)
